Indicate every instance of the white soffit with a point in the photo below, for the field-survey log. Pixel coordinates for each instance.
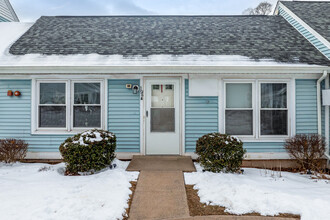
(203, 87)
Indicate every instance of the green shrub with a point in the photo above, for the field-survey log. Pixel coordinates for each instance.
(220, 152)
(89, 151)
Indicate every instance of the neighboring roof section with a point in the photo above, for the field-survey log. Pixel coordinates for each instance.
(255, 37)
(7, 12)
(314, 13)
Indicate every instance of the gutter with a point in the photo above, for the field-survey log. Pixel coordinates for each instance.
(156, 69)
(319, 112)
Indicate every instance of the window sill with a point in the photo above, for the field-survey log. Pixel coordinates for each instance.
(280, 139)
(60, 132)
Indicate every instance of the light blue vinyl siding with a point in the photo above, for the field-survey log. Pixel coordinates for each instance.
(2, 19)
(308, 35)
(15, 117)
(124, 115)
(264, 147)
(306, 106)
(201, 117)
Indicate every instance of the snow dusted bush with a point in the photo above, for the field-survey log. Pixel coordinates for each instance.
(220, 152)
(12, 150)
(307, 149)
(89, 151)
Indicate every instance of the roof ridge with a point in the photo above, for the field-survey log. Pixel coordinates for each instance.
(95, 16)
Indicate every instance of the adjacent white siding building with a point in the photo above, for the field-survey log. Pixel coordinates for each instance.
(7, 12)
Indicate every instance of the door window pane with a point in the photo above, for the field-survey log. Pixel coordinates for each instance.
(52, 93)
(274, 122)
(162, 120)
(87, 116)
(52, 116)
(239, 122)
(273, 95)
(87, 93)
(162, 111)
(239, 95)
(162, 97)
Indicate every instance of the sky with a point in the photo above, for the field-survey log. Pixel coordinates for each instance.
(30, 10)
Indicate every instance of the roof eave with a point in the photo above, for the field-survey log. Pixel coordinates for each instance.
(65, 70)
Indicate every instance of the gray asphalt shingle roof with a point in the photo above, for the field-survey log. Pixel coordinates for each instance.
(257, 37)
(315, 13)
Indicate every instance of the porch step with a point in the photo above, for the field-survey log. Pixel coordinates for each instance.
(161, 163)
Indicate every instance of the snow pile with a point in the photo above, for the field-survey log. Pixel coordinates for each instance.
(265, 192)
(92, 136)
(40, 191)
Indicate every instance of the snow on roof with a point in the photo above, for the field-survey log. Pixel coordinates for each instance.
(10, 32)
(13, 31)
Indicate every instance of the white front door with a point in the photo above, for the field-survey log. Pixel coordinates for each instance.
(162, 98)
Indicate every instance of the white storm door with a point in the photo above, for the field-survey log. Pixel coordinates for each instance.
(162, 116)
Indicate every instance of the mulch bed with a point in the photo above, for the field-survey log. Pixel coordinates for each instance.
(196, 208)
(132, 188)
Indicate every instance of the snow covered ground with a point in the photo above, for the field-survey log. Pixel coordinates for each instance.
(27, 193)
(264, 191)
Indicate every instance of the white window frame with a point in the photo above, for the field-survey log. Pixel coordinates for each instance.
(69, 102)
(253, 105)
(256, 104)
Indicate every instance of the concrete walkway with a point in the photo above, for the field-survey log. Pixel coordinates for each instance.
(159, 195)
(160, 192)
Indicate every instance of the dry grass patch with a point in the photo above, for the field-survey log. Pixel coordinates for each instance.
(196, 208)
(132, 188)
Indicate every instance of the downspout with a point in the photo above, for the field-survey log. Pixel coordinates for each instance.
(327, 121)
(319, 112)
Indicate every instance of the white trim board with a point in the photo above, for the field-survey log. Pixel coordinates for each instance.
(57, 155)
(66, 70)
(256, 156)
(127, 156)
(308, 28)
(264, 75)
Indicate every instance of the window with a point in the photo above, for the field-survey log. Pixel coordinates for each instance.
(273, 109)
(52, 105)
(87, 105)
(262, 114)
(69, 105)
(239, 110)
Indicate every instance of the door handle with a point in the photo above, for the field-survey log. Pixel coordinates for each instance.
(147, 113)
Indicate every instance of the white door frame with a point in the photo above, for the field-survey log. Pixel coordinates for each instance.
(181, 113)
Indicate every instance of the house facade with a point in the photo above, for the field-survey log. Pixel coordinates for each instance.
(161, 82)
(7, 13)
